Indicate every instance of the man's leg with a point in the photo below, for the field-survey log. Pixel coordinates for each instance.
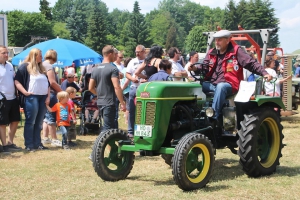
(108, 115)
(222, 90)
(131, 116)
(14, 118)
(12, 132)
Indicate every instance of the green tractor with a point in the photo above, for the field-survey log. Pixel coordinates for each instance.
(173, 119)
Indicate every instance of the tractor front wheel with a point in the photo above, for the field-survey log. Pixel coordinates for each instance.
(193, 162)
(260, 142)
(107, 162)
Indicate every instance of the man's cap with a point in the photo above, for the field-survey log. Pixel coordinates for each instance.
(70, 75)
(222, 34)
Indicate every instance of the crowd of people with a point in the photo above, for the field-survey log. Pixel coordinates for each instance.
(112, 84)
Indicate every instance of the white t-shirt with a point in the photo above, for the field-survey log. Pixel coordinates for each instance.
(38, 84)
(269, 87)
(131, 67)
(120, 67)
(7, 85)
(176, 67)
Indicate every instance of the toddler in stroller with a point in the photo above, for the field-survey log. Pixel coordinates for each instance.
(89, 116)
(91, 112)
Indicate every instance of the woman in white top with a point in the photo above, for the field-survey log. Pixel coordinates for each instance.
(269, 86)
(33, 86)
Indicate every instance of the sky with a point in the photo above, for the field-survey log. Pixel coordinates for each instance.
(287, 11)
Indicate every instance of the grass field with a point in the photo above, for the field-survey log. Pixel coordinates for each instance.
(61, 174)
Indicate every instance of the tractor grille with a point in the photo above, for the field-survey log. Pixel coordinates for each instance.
(150, 113)
(138, 112)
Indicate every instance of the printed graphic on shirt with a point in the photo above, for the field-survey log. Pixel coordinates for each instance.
(64, 113)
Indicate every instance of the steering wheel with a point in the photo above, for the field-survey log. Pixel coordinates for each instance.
(201, 73)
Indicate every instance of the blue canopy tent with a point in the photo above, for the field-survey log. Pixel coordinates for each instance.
(67, 52)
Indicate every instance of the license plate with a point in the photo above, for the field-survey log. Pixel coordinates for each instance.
(143, 130)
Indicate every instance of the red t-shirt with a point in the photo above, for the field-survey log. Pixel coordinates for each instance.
(62, 114)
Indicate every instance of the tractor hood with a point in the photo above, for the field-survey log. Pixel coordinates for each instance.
(167, 90)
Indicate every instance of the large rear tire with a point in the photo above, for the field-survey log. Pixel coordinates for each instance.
(260, 142)
(107, 162)
(193, 162)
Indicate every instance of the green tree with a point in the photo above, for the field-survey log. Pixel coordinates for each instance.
(230, 16)
(59, 30)
(195, 41)
(96, 31)
(77, 21)
(45, 9)
(171, 37)
(61, 10)
(136, 31)
(23, 25)
(159, 28)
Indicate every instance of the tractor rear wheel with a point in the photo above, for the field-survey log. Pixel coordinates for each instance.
(107, 162)
(193, 162)
(260, 142)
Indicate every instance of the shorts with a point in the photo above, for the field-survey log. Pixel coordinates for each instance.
(10, 112)
(50, 117)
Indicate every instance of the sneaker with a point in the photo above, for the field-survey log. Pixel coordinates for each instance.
(46, 141)
(92, 121)
(72, 144)
(90, 157)
(56, 143)
(13, 147)
(86, 121)
(5, 150)
(41, 147)
(30, 149)
(66, 147)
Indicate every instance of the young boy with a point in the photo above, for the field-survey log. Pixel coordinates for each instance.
(72, 132)
(63, 111)
(165, 68)
(91, 106)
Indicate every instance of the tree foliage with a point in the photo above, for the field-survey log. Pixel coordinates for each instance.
(174, 23)
(62, 9)
(195, 40)
(23, 25)
(45, 9)
(96, 31)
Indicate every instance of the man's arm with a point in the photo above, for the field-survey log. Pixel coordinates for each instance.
(92, 86)
(119, 92)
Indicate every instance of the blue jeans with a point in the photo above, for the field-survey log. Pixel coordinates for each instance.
(108, 114)
(221, 90)
(64, 131)
(131, 116)
(34, 109)
(50, 117)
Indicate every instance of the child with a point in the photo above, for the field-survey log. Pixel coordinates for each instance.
(63, 111)
(165, 68)
(91, 106)
(269, 86)
(72, 134)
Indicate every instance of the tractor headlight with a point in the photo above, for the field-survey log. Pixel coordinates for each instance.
(209, 112)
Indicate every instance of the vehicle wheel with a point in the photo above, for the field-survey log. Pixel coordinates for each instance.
(193, 162)
(260, 142)
(167, 158)
(86, 130)
(295, 106)
(107, 162)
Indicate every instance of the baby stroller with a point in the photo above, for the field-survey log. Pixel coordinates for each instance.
(97, 123)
